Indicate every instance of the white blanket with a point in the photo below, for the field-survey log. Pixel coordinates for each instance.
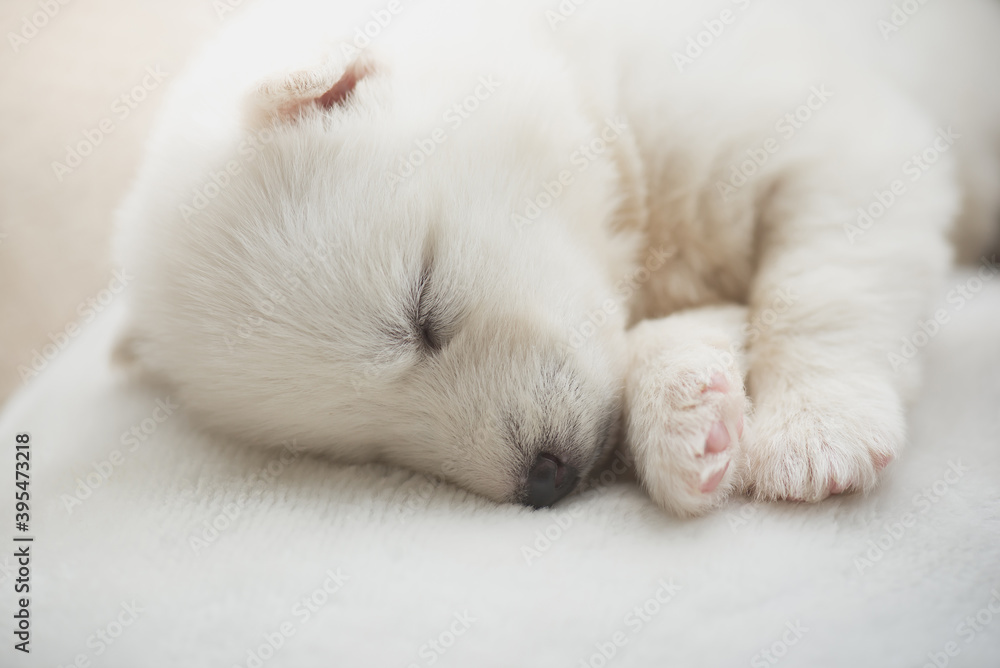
(156, 546)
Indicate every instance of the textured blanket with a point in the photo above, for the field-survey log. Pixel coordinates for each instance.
(157, 546)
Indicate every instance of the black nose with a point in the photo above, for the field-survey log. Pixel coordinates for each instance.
(549, 480)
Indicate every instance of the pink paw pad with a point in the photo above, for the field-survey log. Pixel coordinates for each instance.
(713, 480)
(718, 438)
(717, 384)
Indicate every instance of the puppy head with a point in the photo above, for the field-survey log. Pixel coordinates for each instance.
(406, 269)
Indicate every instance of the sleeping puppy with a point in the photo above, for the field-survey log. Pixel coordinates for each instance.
(495, 241)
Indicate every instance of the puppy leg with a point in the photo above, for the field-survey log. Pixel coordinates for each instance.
(685, 406)
(828, 397)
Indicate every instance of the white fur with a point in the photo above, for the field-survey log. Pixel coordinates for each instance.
(282, 309)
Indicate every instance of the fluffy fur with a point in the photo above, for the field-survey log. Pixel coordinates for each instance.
(300, 276)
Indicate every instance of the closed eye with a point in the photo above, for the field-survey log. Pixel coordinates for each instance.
(430, 330)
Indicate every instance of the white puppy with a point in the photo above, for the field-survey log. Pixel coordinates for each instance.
(490, 241)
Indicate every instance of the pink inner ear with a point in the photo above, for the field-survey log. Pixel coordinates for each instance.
(343, 88)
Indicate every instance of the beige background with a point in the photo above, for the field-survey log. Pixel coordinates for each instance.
(54, 236)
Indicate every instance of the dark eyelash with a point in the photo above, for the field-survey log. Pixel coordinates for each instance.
(428, 329)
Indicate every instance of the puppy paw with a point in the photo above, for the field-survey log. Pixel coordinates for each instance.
(805, 449)
(684, 422)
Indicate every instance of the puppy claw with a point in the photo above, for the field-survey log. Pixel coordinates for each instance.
(800, 450)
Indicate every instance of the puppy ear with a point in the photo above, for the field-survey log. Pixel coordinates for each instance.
(329, 84)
